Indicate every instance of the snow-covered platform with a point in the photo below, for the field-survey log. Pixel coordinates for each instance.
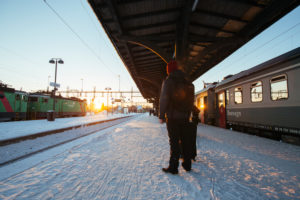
(22, 129)
(125, 161)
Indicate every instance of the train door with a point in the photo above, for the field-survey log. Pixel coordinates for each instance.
(201, 106)
(18, 106)
(221, 110)
(24, 102)
(205, 110)
(32, 107)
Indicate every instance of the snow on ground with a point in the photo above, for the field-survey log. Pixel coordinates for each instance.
(25, 148)
(9, 130)
(125, 161)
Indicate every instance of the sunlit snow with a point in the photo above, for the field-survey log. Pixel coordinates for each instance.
(14, 129)
(125, 161)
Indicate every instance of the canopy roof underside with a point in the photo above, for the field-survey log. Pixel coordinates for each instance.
(199, 33)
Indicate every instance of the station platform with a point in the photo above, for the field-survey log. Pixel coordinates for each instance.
(125, 161)
(18, 130)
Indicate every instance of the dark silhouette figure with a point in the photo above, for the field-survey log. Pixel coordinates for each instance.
(176, 104)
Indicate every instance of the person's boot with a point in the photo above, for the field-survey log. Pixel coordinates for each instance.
(194, 158)
(187, 165)
(170, 170)
(173, 166)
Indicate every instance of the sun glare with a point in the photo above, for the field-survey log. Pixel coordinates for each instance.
(98, 104)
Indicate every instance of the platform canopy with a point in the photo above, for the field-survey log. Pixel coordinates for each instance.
(197, 33)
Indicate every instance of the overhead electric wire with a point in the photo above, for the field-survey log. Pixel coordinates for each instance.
(20, 74)
(282, 33)
(78, 36)
(259, 47)
(19, 55)
(95, 26)
(284, 40)
(97, 29)
(228, 67)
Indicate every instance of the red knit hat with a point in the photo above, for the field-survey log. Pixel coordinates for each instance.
(172, 66)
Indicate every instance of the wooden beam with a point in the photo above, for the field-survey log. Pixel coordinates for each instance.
(247, 2)
(148, 58)
(150, 14)
(163, 35)
(270, 14)
(182, 28)
(220, 15)
(152, 82)
(215, 28)
(214, 60)
(156, 62)
(137, 28)
(216, 46)
(153, 66)
(206, 39)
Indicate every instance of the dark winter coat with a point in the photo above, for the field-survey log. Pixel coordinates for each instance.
(165, 103)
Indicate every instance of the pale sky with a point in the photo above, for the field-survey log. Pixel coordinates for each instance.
(31, 34)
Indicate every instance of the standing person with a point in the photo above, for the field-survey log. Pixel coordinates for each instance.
(176, 104)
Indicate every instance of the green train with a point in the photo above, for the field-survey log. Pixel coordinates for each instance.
(19, 105)
(13, 104)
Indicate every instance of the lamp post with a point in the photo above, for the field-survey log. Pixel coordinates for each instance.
(107, 88)
(55, 61)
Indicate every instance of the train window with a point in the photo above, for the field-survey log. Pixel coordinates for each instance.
(256, 91)
(279, 88)
(238, 95)
(45, 100)
(24, 98)
(33, 99)
(221, 99)
(2, 96)
(18, 97)
(227, 97)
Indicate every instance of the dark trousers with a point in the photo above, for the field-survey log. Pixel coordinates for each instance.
(178, 130)
(193, 139)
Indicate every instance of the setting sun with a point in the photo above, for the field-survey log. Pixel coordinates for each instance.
(98, 104)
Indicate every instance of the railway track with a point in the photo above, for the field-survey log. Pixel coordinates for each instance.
(19, 148)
